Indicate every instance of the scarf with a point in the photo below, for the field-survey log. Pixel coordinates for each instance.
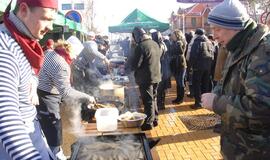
(31, 48)
(63, 53)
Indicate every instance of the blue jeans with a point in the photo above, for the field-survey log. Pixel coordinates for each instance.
(180, 83)
(38, 142)
(180, 77)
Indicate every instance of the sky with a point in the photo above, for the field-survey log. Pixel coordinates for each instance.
(112, 12)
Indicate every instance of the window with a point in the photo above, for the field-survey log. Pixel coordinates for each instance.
(66, 6)
(193, 22)
(79, 6)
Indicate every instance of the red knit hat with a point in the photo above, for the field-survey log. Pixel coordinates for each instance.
(40, 3)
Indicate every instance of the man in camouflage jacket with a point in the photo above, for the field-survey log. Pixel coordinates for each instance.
(243, 98)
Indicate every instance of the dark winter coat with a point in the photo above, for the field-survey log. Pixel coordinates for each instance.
(146, 62)
(243, 99)
(178, 61)
(201, 54)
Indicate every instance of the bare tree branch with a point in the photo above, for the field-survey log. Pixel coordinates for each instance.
(89, 15)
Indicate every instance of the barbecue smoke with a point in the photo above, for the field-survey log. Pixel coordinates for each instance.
(134, 100)
(111, 147)
(72, 113)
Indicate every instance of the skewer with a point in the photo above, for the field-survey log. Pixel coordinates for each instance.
(98, 105)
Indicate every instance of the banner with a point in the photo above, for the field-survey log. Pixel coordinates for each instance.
(199, 1)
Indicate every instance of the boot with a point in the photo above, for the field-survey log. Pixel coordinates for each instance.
(153, 142)
(180, 95)
(177, 100)
(197, 105)
(155, 123)
(161, 101)
(146, 127)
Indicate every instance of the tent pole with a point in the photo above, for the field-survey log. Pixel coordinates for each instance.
(183, 16)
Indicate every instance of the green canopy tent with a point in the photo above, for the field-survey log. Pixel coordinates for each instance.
(138, 18)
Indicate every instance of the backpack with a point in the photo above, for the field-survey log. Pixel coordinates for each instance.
(202, 48)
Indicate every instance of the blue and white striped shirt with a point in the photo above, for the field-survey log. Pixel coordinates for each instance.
(16, 110)
(54, 77)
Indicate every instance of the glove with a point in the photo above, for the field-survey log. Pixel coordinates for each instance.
(33, 97)
(207, 100)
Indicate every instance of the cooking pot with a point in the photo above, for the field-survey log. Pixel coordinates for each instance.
(134, 119)
(88, 114)
(110, 104)
(112, 90)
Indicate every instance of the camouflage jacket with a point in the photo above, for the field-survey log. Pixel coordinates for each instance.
(243, 100)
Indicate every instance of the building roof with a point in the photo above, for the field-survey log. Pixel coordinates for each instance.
(199, 8)
(184, 10)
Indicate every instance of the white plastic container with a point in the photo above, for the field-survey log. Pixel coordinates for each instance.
(106, 119)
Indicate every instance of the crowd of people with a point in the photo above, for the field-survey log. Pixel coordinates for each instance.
(226, 72)
(189, 58)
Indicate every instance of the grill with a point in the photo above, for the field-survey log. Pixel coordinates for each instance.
(112, 147)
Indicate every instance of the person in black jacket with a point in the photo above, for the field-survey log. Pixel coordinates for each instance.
(146, 64)
(201, 57)
(165, 70)
(179, 64)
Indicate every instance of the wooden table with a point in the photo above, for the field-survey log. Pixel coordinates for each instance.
(91, 129)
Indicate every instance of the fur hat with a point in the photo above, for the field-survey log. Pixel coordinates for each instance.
(230, 14)
(41, 3)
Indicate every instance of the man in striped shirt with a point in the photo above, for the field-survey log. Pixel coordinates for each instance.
(53, 88)
(21, 58)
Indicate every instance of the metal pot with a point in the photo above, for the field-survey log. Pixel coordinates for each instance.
(137, 121)
(88, 114)
(110, 104)
(115, 91)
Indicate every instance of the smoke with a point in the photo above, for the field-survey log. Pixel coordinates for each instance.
(110, 147)
(86, 81)
(132, 92)
(72, 113)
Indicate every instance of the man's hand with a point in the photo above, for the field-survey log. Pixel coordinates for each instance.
(207, 100)
(107, 61)
(91, 101)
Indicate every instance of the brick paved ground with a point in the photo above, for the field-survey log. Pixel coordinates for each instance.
(177, 142)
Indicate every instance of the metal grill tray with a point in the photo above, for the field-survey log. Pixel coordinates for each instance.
(91, 141)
